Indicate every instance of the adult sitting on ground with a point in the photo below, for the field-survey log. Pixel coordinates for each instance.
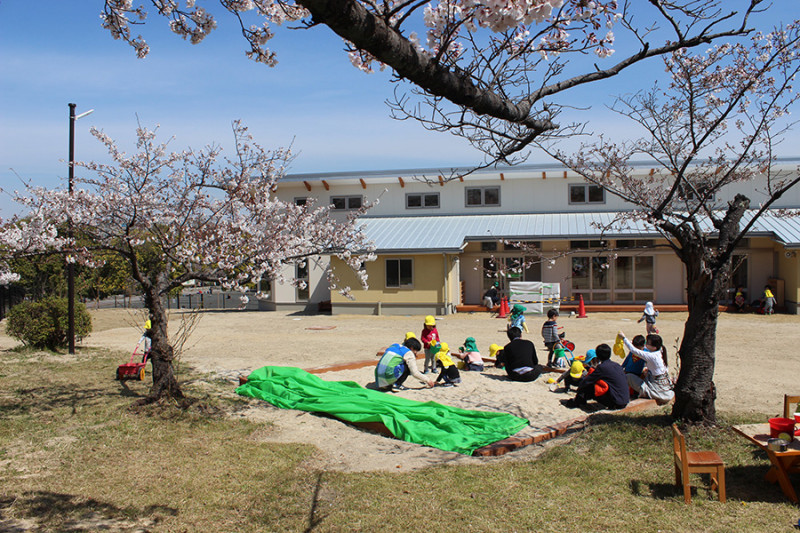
(607, 384)
(519, 357)
(397, 363)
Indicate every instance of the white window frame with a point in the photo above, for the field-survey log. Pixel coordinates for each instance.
(585, 187)
(422, 196)
(347, 199)
(483, 196)
(306, 278)
(399, 285)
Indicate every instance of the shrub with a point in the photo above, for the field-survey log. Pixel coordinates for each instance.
(43, 324)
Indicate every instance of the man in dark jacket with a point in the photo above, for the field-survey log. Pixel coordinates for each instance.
(519, 357)
(607, 384)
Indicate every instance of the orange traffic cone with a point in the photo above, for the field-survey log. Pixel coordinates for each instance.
(581, 309)
(503, 308)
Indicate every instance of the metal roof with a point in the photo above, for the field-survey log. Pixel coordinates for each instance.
(430, 234)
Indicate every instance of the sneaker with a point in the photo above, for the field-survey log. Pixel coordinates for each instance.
(570, 404)
(400, 387)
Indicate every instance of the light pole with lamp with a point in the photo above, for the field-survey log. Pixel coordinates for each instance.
(71, 261)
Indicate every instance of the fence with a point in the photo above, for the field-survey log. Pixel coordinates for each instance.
(187, 300)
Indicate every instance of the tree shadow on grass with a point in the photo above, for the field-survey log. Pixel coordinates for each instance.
(57, 397)
(52, 511)
(315, 517)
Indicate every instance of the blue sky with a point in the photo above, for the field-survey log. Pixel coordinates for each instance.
(53, 52)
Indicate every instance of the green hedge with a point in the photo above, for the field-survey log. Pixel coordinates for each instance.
(43, 324)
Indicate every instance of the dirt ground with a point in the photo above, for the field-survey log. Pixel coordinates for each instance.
(755, 367)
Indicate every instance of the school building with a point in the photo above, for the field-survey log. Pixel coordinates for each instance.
(438, 242)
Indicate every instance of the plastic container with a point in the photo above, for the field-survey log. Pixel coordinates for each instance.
(782, 428)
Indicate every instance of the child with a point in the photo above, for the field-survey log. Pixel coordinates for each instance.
(430, 338)
(550, 334)
(649, 316)
(494, 351)
(517, 318)
(738, 299)
(606, 384)
(656, 383)
(580, 367)
(147, 338)
(449, 372)
(633, 364)
(470, 355)
(769, 300)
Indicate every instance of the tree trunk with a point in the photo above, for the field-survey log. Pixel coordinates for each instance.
(695, 391)
(165, 385)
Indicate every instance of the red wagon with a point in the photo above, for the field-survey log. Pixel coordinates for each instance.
(134, 370)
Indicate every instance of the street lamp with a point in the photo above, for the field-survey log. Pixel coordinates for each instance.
(71, 263)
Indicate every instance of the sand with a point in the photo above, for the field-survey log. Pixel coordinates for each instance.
(755, 367)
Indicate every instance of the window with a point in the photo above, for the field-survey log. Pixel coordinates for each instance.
(301, 275)
(482, 196)
(399, 273)
(489, 246)
(738, 276)
(513, 269)
(636, 243)
(422, 200)
(301, 201)
(634, 278)
(586, 193)
(590, 278)
(264, 289)
(586, 245)
(341, 203)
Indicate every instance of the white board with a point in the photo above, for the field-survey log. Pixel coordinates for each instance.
(535, 296)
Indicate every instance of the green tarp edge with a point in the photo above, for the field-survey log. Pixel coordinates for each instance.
(428, 423)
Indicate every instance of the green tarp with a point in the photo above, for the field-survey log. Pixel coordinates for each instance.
(428, 423)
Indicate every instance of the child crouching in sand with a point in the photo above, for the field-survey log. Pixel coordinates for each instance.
(449, 372)
(470, 355)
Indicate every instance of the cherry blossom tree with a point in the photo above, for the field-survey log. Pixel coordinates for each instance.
(485, 71)
(25, 237)
(714, 126)
(175, 217)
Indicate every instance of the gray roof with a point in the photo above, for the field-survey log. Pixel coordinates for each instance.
(430, 234)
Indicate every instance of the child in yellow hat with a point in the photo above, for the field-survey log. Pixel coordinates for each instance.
(430, 338)
(449, 372)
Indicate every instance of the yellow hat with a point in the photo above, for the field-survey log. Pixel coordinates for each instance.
(410, 335)
(576, 370)
(443, 347)
(444, 356)
(493, 350)
(430, 320)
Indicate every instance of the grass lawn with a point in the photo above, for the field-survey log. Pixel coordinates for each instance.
(74, 456)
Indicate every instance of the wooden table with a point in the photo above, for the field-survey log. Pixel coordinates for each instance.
(783, 463)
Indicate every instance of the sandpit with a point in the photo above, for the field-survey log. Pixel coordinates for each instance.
(755, 366)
